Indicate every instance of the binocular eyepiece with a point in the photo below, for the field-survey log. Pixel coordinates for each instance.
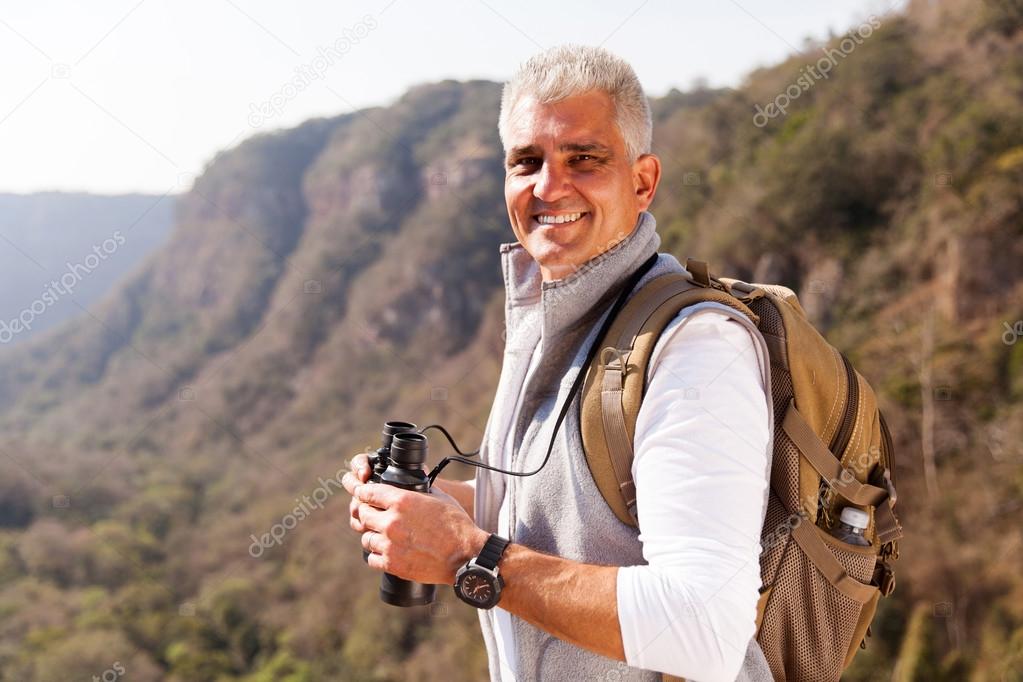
(379, 459)
(400, 461)
(409, 449)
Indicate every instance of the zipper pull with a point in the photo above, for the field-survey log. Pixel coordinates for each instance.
(863, 642)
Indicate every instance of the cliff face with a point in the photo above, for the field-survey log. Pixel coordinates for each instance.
(323, 279)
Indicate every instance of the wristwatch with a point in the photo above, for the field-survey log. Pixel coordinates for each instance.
(479, 582)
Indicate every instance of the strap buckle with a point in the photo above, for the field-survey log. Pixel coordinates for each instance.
(699, 272)
(884, 578)
(881, 477)
(887, 479)
(744, 291)
(617, 362)
(890, 550)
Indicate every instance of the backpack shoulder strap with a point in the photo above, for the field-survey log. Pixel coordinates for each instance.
(615, 385)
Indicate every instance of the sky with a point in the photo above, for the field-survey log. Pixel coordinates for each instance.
(115, 96)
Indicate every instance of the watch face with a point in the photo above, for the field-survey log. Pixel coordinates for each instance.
(477, 589)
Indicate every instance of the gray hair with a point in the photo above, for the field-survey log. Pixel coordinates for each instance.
(566, 70)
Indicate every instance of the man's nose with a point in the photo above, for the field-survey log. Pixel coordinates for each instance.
(551, 183)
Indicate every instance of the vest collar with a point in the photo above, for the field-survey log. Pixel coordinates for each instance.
(561, 305)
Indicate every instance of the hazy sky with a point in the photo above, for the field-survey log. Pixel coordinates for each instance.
(137, 95)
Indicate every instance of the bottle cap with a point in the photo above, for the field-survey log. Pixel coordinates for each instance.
(857, 518)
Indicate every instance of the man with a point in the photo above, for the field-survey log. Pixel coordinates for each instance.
(586, 596)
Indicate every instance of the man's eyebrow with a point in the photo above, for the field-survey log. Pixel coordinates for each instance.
(526, 150)
(584, 147)
(579, 147)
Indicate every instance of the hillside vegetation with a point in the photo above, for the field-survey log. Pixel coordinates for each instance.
(323, 279)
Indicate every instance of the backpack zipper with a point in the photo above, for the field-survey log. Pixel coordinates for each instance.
(891, 549)
(887, 447)
(841, 439)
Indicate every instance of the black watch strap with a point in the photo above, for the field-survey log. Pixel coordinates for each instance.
(492, 551)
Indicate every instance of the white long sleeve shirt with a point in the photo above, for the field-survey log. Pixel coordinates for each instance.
(702, 469)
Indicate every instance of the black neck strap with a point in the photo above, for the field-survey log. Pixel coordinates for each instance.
(623, 296)
(627, 288)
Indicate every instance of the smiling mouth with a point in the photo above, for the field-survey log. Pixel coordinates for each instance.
(561, 219)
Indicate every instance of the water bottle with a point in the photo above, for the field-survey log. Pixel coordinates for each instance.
(852, 523)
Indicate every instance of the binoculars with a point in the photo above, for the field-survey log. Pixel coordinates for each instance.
(400, 461)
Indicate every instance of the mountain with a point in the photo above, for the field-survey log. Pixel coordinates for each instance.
(322, 279)
(61, 252)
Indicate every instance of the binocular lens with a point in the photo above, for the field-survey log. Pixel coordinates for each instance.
(399, 592)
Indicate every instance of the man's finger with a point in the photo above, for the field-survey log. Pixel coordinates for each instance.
(374, 542)
(359, 465)
(377, 562)
(371, 517)
(353, 511)
(378, 495)
(350, 482)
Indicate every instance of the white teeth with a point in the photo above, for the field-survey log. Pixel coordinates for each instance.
(558, 219)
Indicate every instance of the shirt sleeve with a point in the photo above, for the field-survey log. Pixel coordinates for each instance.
(702, 470)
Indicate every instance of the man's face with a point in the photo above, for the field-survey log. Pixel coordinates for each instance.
(567, 161)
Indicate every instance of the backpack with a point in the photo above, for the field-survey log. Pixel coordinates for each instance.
(832, 449)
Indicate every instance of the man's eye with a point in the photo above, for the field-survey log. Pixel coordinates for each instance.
(583, 157)
(527, 161)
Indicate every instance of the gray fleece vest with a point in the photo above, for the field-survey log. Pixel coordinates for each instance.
(560, 511)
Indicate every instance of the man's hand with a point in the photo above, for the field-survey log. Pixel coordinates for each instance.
(415, 536)
(360, 472)
(426, 538)
(464, 492)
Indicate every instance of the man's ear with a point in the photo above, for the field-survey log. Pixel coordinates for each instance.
(646, 173)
